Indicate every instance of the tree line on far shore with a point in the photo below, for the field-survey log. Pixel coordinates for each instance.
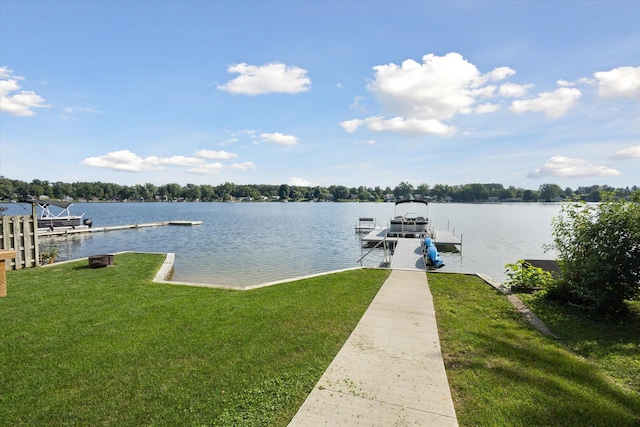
(468, 193)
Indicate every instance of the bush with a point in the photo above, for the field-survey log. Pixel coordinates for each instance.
(599, 253)
(524, 275)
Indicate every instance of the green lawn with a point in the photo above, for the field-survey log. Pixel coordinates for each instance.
(84, 346)
(504, 373)
(80, 346)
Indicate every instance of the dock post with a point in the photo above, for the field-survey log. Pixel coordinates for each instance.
(4, 256)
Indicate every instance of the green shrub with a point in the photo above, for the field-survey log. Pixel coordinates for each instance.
(599, 254)
(524, 275)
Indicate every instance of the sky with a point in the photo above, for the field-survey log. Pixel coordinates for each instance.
(371, 93)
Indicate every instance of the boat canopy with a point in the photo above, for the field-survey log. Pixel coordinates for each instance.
(411, 201)
(47, 203)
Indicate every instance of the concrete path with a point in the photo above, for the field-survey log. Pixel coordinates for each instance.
(390, 371)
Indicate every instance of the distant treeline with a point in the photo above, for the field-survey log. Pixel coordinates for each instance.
(100, 191)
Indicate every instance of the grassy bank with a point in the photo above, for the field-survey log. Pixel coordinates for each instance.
(504, 373)
(84, 346)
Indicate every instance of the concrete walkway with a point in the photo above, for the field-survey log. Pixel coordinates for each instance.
(390, 371)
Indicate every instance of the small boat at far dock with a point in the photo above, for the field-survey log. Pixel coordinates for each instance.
(50, 220)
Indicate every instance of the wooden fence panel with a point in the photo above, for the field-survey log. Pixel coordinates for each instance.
(19, 233)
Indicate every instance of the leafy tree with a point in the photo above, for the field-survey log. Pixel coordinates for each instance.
(423, 190)
(208, 192)
(341, 193)
(283, 192)
(594, 196)
(404, 189)
(568, 192)
(363, 194)
(550, 192)
(599, 253)
(296, 193)
(150, 192)
(506, 193)
(440, 191)
(191, 192)
(37, 189)
(6, 188)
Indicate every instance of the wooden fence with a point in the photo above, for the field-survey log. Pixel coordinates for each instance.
(19, 233)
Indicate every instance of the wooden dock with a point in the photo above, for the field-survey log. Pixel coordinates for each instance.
(87, 230)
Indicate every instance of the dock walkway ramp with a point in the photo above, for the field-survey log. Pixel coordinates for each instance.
(390, 371)
(408, 255)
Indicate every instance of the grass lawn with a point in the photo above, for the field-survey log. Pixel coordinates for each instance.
(504, 373)
(613, 345)
(82, 346)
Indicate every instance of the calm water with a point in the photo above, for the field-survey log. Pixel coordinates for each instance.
(242, 244)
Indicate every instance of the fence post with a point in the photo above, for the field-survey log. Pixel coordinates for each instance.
(4, 256)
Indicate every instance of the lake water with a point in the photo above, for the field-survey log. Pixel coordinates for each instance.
(242, 244)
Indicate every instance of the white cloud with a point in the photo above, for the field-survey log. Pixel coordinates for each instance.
(278, 138)
(215, 155)
(299, 182)
(582, 80)
(15, 101)
(242, 166)
(410, 126)
(217, 167)
(628, 153)
(512, 90)
(439, 88)
(270, 78)
(125, 160)
(69, 112)
(486, 108)
(357, 103)
(6, 73)
(229, 141)
(500, 73)
(351, 126)
(622, 81)
(367, 142)
(174, 160)
(421, 96)
(208, 169)
(553, 104)
(565, 167)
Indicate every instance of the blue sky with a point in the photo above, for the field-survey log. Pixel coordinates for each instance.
(321, 92)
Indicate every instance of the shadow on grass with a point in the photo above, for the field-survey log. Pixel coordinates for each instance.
(502, 372)
(613, 344)
(547, 385)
